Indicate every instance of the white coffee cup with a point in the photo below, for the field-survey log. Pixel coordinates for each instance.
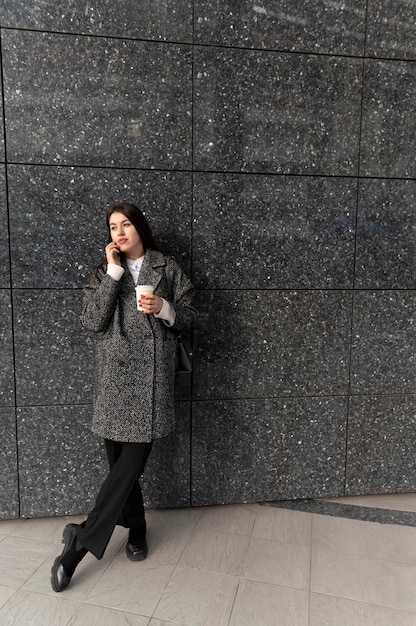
(141, 292)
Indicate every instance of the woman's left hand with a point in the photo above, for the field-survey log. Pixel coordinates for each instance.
(151, 304)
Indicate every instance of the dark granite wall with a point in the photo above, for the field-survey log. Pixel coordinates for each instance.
(272, 146)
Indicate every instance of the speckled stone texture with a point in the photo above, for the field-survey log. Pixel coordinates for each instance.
(63, 464)
(166, 480)
(381, 436)
(4, 220)
(148, 19)
(274, 112)
(95, 101)
(288, 444)
(74, 200)
(266, 344)
(271, 146)
(388, 136)
(386, 235)
(315, 26)
(7, 390)
(2, 151)
(383, 344)
(53, 352)
(310, 221)
(9, 488)
(391, 29)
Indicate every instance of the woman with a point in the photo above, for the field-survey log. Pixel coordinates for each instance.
(134, 379)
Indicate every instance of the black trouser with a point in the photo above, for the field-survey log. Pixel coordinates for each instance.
(120, 499)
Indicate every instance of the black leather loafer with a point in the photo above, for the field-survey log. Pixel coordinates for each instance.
(136, 552)
(60, 579)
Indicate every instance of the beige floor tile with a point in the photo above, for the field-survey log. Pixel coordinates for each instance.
(7, 526)
(5, 595)
(331, 611)
(88, 572)
(381, 541)
(362, 572)
(20, 558)
(48, 529)
(229, 518)
(269, 605)
(34, 609)
(215, 551)
(181, 517)
(283, 525)
(195, 598)
(89, 615)
(166, 541)
(360, 578)
(134, 587)
(277, 563)
(161, 622)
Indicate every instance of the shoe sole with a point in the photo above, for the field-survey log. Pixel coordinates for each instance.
(66, 539)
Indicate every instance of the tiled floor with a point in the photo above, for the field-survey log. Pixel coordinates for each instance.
(233, 565)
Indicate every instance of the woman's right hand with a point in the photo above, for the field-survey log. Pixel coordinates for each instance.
(112, 253)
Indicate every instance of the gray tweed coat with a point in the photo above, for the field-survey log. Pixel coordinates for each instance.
(135, 353)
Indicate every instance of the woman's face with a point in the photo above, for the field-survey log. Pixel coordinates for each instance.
(126, 236)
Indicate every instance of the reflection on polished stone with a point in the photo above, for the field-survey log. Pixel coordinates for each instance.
(315, 26)
(386, 237)
(97, 101)
(391, 29)
(271, 343)
(285, 233)
(274, 112)
(388, 143)
(280, 448)
(74, 200)
(141, 19)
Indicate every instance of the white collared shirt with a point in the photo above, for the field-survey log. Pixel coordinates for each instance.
(166, 313)
(134, 267)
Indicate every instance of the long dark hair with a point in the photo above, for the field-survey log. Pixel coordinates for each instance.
(136, 217)
(140, 223)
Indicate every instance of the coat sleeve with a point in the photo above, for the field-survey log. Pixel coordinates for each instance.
(181, 297)
(99, 302)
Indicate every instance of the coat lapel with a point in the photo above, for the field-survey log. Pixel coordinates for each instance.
(151, 272)
(152, 269)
